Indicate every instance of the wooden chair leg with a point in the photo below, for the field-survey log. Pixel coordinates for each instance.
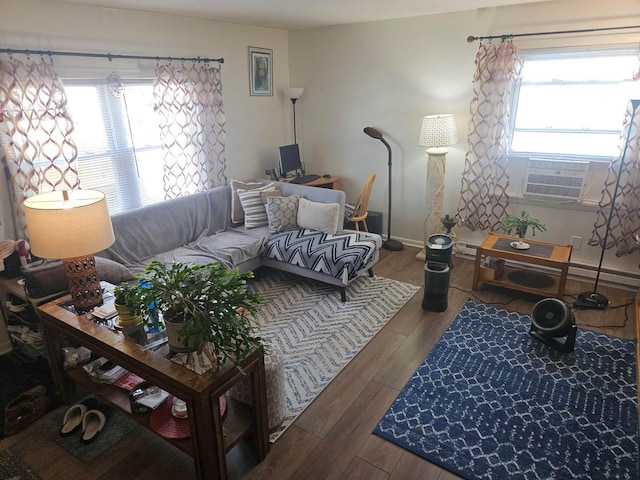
(357, 227)
(343, 294)
(366, 228)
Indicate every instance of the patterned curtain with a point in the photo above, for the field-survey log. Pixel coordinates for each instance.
(625, 213)
(483, 193)
(192, 127)
(35, 132)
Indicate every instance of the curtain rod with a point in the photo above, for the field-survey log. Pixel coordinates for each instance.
(471, 38)
(110, 56)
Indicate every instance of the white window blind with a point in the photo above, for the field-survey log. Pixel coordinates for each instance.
(118, 141)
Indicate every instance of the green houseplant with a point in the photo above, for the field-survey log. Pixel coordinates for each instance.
(519, 225)
(129, 304)
(206, 305)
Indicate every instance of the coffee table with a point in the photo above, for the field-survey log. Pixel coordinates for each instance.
(543, 254)
(211, 436)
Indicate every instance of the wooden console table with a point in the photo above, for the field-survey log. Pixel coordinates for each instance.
(543, 254)
(210, 437)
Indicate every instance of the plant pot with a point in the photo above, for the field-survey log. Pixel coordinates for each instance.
(176, 344)
(126, 317)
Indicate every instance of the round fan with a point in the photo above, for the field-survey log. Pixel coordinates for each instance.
(550, 319)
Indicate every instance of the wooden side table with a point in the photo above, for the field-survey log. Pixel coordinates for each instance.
(210, 438)
(553, 256)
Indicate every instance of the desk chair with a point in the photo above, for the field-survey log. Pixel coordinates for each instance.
(359, 211)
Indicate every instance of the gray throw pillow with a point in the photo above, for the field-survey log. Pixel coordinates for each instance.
(282, 213)
(112, 272)
(319, 216)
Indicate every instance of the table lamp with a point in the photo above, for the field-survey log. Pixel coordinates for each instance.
(72, 225)
(437, 132)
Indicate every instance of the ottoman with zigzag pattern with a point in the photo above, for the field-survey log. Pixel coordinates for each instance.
(336, 259)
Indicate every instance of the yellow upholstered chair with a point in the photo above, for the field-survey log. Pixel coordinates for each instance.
(358, 212)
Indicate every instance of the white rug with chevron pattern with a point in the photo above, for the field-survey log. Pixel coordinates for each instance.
(317, 333)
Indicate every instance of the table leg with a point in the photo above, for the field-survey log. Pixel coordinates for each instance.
(53, 343)
(476, 269)
(258, 392)
(207, 439)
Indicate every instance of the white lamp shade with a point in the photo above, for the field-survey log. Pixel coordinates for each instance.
(68, 224)
(438, 131)
(294, 92)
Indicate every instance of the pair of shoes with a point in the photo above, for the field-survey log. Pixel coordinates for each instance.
(25, 409)
(90, 414)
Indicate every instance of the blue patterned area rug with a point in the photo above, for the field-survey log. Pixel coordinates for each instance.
(317, 333)
(491, 402)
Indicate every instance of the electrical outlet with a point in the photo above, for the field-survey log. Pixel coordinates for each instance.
(576, 242)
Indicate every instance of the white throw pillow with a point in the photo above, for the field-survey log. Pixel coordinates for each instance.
(255, 213)
(318, 216)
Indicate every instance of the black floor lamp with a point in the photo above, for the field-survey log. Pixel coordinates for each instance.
(389, 244)
(594, 299)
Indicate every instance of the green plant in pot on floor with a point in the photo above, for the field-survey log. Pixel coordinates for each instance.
(520, 225)
(204, 306)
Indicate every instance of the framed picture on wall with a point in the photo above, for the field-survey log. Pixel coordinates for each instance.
(260, 71)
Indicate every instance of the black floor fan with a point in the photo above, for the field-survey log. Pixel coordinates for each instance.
(595, 300)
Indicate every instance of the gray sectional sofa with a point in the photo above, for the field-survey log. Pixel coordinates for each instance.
(197, 228)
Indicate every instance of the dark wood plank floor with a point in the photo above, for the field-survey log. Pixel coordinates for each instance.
(332, 439)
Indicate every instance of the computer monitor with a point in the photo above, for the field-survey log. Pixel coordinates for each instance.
(290, 160)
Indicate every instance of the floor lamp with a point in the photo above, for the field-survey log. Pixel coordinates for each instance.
(389, 244)
(593, 299)
(437, 132)
(72, 225)
(294, 94)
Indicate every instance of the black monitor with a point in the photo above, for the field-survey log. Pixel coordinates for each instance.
(290, 160)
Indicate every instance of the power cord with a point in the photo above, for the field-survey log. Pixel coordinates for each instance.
(572, 296)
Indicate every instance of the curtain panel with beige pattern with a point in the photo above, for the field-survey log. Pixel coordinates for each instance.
(35, 132)
(483, 193)
(188, 99)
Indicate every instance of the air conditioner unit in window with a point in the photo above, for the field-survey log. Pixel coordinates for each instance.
(561, 179)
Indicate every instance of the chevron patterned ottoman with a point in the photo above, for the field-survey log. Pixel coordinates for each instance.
(337, 259)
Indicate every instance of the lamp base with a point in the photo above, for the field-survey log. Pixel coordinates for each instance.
(84, 284)
(591, 300)
(393, 245)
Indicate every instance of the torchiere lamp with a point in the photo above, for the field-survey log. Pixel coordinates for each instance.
(72, 225)
(294, 93)
(437, 132)
(389, 244)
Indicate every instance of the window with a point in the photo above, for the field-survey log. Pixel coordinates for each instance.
(571, 104)
(118, 141)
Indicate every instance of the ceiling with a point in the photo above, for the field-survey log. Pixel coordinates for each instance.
(297, 14)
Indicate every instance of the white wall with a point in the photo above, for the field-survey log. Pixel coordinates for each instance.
(390, 74)
(255, 125)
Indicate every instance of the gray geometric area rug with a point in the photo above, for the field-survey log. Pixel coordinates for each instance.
(492, 402)
(13, 468)
(117, 426)
(316, 332)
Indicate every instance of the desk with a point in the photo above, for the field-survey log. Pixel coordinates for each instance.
(210, 437)
(334, 183)
(542, 254)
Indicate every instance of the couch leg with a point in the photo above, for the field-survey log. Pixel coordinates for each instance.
(343, 294)
(371, 272)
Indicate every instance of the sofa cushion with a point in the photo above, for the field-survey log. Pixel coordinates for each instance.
(237, 212)
(255, 213)
(282, 213)
(324, 217)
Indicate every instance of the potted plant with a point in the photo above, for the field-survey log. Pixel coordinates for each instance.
(519, 226)
(204, 306)
(129, 304)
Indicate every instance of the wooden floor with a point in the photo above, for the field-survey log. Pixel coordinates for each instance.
(332, 439)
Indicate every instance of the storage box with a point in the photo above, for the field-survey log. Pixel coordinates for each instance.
(491, 268)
